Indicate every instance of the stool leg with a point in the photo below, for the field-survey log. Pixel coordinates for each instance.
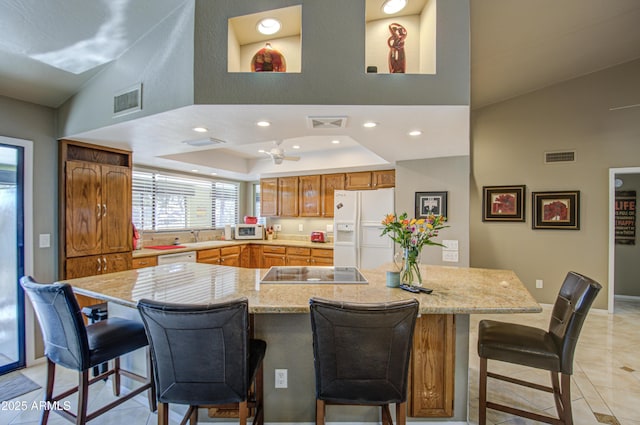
(151, 394)
(482, 393)
(116, 377)
(48, 393)
(567, 414)
(163, 414)
(83, 397)
(243, 412)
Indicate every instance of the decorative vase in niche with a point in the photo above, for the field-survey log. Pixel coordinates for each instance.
(397, 60)
(268, 59)
(410, 272)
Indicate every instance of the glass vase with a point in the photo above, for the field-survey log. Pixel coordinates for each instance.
(410, 272)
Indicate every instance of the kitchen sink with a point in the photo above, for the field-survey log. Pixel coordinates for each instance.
(314, 275)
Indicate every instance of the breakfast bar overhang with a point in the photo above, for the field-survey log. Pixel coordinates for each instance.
(438, 388)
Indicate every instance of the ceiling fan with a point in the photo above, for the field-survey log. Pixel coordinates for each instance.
(277, 154)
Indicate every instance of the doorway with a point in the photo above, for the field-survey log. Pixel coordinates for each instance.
(12, 335)
(617, 181)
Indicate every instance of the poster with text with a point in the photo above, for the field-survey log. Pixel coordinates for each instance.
(626, 217)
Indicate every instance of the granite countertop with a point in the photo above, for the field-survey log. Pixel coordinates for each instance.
(197, 246)
(456, 290)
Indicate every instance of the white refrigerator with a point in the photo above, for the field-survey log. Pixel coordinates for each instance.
(357, 224)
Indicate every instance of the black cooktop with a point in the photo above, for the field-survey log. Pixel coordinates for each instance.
(313, 274)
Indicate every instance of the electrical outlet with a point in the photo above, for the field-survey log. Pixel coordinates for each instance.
(277, 227)
(281, 378)
(300, 227)
(539, 283)
(329, 228)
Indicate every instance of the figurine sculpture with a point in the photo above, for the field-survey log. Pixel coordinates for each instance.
(397, 62)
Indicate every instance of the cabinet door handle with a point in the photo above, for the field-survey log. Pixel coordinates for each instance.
(104, 260)
(99, 265)
(104, 210)
(98, 210)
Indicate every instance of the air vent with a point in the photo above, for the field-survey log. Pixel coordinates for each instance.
(326, 122)
(127, 101)
(204, 142)
(555, 157)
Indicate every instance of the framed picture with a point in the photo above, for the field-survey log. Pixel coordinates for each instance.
(556, 210)
(428, 203)
(503, 203)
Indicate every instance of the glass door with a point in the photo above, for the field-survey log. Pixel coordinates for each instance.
(12, 347)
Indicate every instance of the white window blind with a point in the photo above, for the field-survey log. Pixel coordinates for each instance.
(167, 202)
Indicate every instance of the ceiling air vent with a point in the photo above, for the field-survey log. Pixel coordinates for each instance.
(555, 157)
(127, 101)
(327, 122)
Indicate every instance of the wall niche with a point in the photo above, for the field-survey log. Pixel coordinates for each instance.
(249, 50)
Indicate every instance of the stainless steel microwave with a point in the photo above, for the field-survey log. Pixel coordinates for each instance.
(249, 231)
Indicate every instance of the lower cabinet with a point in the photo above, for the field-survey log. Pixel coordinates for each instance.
(226, 256)
(321, 257)
(273, 256)
(141, 262)
(432, 367)
(97, 264)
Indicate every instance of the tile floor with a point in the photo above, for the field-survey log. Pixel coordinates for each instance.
(606, 380)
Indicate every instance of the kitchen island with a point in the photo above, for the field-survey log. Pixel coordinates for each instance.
(440, 360)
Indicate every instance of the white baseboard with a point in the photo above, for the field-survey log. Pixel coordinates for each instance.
(627, 298)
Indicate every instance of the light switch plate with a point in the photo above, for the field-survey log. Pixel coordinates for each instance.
(45, 240)
(450, 256)
(450, 245)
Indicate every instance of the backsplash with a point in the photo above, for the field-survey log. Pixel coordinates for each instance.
(168, 238)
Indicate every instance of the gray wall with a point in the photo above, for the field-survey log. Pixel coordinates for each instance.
(22, 120)
(508, 144)
(627, 266)
(333, 59)
(437, 175)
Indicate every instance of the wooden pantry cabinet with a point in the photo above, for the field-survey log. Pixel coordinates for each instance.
(95, 210)
(330, 183)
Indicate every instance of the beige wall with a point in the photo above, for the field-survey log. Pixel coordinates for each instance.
(508, 144)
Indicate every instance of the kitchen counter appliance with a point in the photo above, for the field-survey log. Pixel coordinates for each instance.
(249, 231)
(318, 236)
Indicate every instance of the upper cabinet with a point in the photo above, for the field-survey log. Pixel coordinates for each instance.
(312, 196)
(95, 210)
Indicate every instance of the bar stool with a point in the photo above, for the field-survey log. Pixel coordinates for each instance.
(361, 354)
(550, 350)
(202, 356)
(71, 344)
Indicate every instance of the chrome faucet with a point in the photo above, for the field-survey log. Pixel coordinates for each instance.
(196, 234)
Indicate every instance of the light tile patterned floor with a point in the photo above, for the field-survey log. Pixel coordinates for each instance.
(606, 380)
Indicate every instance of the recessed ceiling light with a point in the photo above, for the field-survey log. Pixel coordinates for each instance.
(393, 6)
(214, 174)
(335, 142)
(296, 146)
(263, 123)
(268, 26)
(369, 124)
(195, 171)
(261, 151)
(200, 129)
(415, 133)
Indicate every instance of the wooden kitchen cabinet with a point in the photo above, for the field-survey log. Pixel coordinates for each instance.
(208, 256)
(141, 262)
(310, 196)
(273, 256)
(383, 179)
(321, 257)
(330, 183)
(432, 366)
(269, 197)
(98, 214)
(94, 209)
(298, 256)
(358, 181)
(288, 196)
(91, 265)
(230, 256)
(250, 256)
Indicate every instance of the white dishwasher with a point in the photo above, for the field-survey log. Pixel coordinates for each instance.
(181, 257)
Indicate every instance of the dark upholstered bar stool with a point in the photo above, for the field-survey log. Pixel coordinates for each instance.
(361, 354)
(550, 350)
(71, 344)
(202, 356)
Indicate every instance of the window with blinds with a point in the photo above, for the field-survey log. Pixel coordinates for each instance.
(167, 202)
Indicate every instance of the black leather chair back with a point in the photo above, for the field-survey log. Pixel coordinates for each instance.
(63, 329)
(200, 353)
(569, 312)
(361, 351)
